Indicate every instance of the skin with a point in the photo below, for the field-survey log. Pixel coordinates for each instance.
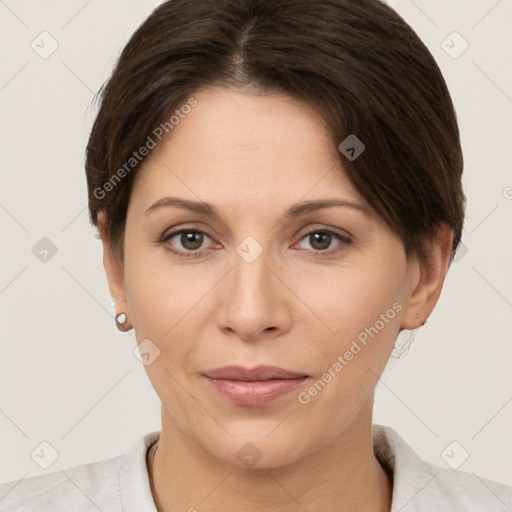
(253, 157)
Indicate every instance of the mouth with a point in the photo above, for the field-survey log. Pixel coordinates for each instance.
(254, 387)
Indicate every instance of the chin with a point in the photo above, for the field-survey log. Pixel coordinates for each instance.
(261, 448)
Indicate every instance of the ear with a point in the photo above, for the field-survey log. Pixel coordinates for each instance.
(113, 269)
(427, 280)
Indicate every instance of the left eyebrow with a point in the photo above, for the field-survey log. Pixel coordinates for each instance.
(311, 206)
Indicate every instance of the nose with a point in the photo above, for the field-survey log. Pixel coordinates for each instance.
(256, 303)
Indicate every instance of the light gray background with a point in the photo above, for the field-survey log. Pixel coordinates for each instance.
(69, 378)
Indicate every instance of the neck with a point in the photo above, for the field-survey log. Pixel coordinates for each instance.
(343, 475)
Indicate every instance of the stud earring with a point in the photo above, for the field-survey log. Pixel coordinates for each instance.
(122, 322)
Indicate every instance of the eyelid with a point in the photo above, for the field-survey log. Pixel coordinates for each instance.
(180, 228)
(344, 240)
(172, 232)
(325, 227)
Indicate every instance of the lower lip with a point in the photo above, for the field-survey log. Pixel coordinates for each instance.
(255, 393)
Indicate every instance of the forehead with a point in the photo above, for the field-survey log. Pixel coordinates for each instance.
(249, 147)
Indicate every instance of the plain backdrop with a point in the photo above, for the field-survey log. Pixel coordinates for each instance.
(70, 379)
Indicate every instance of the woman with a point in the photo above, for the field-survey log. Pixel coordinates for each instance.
(277, 187)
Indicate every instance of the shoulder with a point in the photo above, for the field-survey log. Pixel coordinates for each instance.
(118, 484)
(469, 491)
(80, 488)
(420, 486)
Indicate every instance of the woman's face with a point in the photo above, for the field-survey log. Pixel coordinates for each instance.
(255, 279)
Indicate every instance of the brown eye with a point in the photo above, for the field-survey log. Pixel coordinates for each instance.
(191, 240)
(187, 242)
(320, 241)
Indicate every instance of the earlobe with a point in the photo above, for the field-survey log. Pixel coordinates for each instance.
(428, 280)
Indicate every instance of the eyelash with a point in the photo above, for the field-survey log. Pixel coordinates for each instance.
(197, 254)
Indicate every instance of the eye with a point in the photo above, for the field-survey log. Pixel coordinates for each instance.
(190, 240)
(321, 239)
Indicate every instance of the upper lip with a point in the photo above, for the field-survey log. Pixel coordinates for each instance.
(252, 374)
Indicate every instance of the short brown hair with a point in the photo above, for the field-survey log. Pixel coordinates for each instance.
(357, 62)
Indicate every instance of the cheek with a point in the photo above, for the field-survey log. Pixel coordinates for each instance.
(170, 305)
(361, 307)
(346, 302)
(160, 301)
(162, 305)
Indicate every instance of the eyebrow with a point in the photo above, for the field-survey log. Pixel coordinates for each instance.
(297, 210)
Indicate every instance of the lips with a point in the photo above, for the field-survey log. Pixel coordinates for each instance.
(254, 387)
(258, 373)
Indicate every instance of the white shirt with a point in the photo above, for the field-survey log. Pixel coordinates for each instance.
(121, 484)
